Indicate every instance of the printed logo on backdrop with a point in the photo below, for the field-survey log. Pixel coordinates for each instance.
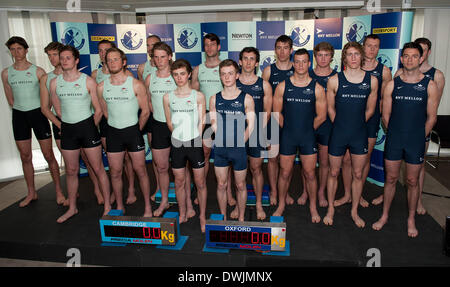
(266, 61)
(241, 35)
(187, 38)
(357, 32)
(72, 36)
(334, 64)
(132, 39)
(218, 28)
(328, 30)
(300, 36)
(385, 60)
(267, 34)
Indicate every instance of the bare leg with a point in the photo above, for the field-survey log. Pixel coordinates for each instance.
(420, 208)
(115, 160)
(26, 154)
(358, 163)
(230, 199)
(180, 180)
(304, 197)
(161, 157)
(129, 172)
(323, 174)
(241, 193)
(138, 162)
(366, 169)
(258, 182)
(222, 181)
(347, 179)
(272, 172)
(71, 159)
(93, 177)
(286, 166)
(412, 182)
(309, 171)
(190, 212)
(332, 184)
(200, 183)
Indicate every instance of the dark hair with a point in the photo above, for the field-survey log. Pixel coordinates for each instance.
(181, 63)
(355, 45)
(371, 36)
(162, 46)
(105, 41)
(122, 55)
(413, 45)
(228, 63)
(250, 50)
(324, 46)
(75, 52)
(154, 36)
(302, 51)
(53, 46)
(16, 40)
(212, 37)
(424, 41)
(284, 39)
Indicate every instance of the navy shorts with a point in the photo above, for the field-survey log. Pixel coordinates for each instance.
(236, 156)
(355, 141)
(306, 146)
(407, 146)
(323, 132)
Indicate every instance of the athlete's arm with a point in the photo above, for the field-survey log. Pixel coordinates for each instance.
(101, 99)
(140, 72)
(439, 80)
(250, 116)
(7, 88)
(372, 99)
(267, 101)
(332, 87)
(387, 76)
(432, 106)
(167, 112)
(278, 103)
(55, 103)
(266, 73)
(141, 95)
(94, 74)
(129, 73)
(45, 100)
(387, 103)
(195, 84)
(40, 73)
(149, 95)
(212, 112)
(91, 85)
(321, 106)
(201, 107)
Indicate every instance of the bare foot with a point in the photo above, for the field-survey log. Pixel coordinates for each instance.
(182, 219)
(148, 212)
(260, 214)
(99, 196)
(231, 201)
(322, 200)
(67, 215)
(343, 200)
(378, 200)
(162, 207)
(315, 217)
(106, 210)
(358, 221)
(28, 199)
(235, 213)
(278, 212)
(190, 213)
(380, 223)
(273, 198)
(60, 198)
(196, 201)
(153, 196)
(302, 199)
(202, 224)
(112, 198)
(420, 209)
(363, 202)
(328, 219)
(131, 199)
(289, 199)
(412, 230)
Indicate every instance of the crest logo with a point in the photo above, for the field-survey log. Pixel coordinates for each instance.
(74, 37)
(385, 60)
(131, 40)
(267, 61)
(356, 32)
(187, 38)
(300, 36)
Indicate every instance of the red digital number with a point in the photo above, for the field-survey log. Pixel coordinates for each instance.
(156, 233)
(223, 236)
(255, 238)
(266, 238)
(234, 236)
(245, 237)
(146, 234)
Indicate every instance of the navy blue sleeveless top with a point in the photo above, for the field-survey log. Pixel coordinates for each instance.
(378, 73)
(230, 121)
(299, 110)
(430, 73)
(322, 80)
(277, 76)
(409, 106)
(255, 90)
(350, 104)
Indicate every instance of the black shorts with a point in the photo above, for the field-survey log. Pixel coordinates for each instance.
(56, 130)
(191, 151)
(23, 122)
(161, 135)
(126, 139)
(83, 134)
(103, 127)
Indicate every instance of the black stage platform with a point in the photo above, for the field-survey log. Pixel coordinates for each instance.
(32, 233)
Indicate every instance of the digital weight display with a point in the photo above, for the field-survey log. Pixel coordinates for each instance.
(139, 230)
(263, 236)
